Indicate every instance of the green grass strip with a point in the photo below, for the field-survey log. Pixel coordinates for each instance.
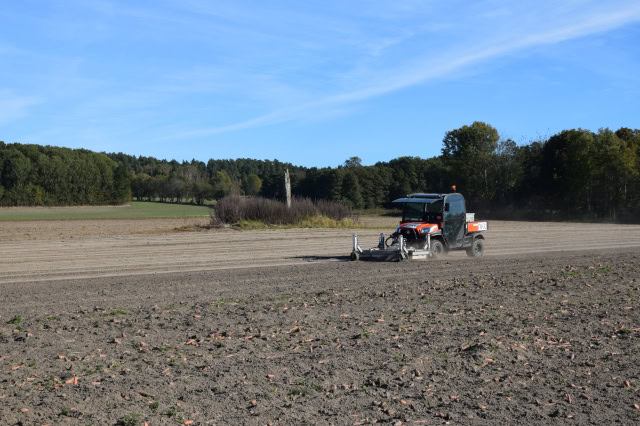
(134, 210)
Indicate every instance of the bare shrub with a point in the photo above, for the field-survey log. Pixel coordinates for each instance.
(234, 209)
(337, 211)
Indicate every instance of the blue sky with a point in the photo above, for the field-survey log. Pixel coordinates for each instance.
(311, 82)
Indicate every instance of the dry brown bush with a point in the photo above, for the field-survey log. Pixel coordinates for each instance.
(234, 209)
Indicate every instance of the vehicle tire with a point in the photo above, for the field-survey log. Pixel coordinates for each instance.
(355, 255)
(437, 248)
(477, 248)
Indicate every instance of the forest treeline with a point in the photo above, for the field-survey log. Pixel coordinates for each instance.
(572, 174)
(34, 175)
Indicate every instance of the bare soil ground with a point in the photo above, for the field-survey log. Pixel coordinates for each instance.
(226, 327)
(86, 249)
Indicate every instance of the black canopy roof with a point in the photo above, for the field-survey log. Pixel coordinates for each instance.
(424, 198)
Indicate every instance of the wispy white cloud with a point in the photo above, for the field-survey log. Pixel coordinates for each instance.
(14, 107)
(555, 29)
(8, 49)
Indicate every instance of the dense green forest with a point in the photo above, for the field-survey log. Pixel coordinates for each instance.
(573, 174)
(34, 175)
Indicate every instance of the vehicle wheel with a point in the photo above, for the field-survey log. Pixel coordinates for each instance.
(476, 249)
(437, 248)
(355, 255)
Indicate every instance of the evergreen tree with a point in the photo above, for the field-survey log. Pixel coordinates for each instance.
(351, 191)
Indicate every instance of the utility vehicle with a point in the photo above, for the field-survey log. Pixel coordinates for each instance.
(431, 226)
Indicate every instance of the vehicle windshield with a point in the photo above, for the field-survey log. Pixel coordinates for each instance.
(413, 212)
(421, 212)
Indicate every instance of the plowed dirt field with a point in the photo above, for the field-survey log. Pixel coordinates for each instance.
(137, 323)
